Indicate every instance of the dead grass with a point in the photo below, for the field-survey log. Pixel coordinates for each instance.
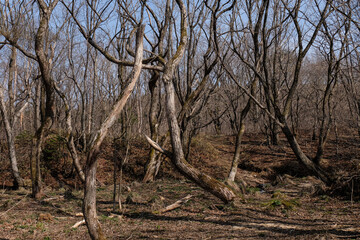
(282, 200)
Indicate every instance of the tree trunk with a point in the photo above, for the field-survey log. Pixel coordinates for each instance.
(9, 116)
(69, 135)
(153, 163)
(208, 183)
(38, 140)
(48, 99)
(358, 116)
(236, 159)
(302, 158)
(274, 137)
(18, 181)
(152, 166)
(89, 205)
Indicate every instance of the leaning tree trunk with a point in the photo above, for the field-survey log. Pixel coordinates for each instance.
(236, 158)
(89, 205)
(300, 155)
(244, 113)
(208, 183)
(69, 136)
(10, 116)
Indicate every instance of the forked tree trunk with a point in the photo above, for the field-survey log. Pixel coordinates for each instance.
(38, 140)
(45, 69)
(153, 164)
(89, 205)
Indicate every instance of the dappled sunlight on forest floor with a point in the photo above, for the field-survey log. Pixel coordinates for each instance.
(282, 201)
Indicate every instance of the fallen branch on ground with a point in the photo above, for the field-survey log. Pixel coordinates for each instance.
(2, 214)
(76, 225)
(176, 204)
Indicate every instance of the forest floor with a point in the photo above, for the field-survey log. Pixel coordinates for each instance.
(282, 200)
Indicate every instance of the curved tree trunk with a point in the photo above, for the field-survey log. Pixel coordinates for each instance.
(244, 113)
(44, 62)
(208, 183)
(89, 205)
(177, 157)
(38, 140)
(300, 155)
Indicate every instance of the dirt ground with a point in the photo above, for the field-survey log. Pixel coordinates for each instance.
(282, 200)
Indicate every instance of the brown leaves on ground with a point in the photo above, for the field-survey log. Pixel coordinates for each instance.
(282, 200)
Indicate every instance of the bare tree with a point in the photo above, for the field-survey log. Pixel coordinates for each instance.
(335, 33)
(11, 112)
(177, 155)
(256, 55)
(45, 64)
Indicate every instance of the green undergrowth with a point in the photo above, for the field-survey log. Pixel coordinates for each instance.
(281, 201)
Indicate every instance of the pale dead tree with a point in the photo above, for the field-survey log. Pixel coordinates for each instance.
(199, 66)
(194, 92)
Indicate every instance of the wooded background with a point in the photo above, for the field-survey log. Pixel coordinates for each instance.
(81, 72)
